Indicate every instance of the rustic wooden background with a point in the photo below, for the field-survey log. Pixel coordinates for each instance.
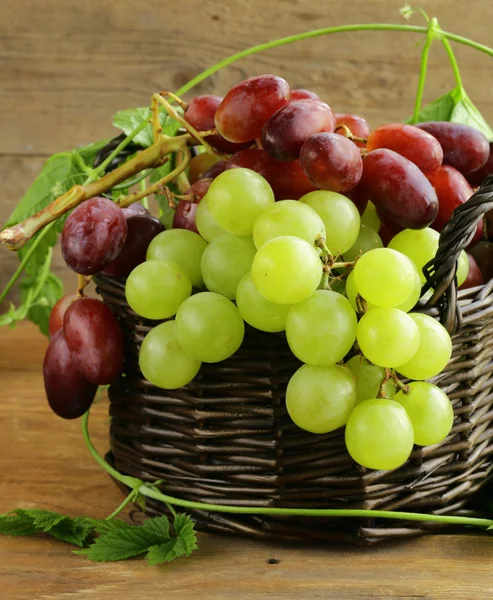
(66, 67)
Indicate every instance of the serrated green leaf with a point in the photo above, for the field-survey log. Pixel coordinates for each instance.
(128, 120)
(13, 525)
(466, 113)
(185, 530)
(47, 520)
(157, 527)
(106, 526)
(166, 552)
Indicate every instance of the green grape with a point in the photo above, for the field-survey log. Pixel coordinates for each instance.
(256, 310)
(320, 399)
(420, 245)
(236, 198)
(206, 225)
(209, 327)
(340, 218)
(286, 270)
(434, 352)
(370, 217)
(385, 277)
(462, 268)
(183, 247)
(379, 434)
(369, 379)
(225, 261)
(288, 217)
(156, 288)
(322, 329)
(351, 290)
(388, 337)
(430, 411)
(163, 361)
(368, 239)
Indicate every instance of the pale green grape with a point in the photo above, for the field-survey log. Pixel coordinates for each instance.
(340, 218)
(206, 225)
(288, 217)
(367, 239)
(322, 329)
(236, 198)
(388, 337)
(420, 245)
(379, 434)
(320, 399)
(209, 327)
(256, 310)
(183, 247)
(462, 268)
(224, 262)
(370, 217)
(351, 290)
(156, 288)
(434, 352)
(163, 361)
(385, 277)
(430, 411)
(369, 379)
(286, 270)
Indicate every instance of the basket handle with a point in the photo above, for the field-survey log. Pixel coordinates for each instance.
(455, 237)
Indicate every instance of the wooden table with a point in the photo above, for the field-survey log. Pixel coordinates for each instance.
(44, 464)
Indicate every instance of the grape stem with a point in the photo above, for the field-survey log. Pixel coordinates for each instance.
(151, 491)
(349, 134)
(391, 374)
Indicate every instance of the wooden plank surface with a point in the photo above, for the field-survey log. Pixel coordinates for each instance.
(44, 463)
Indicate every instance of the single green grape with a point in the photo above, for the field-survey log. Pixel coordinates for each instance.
(322, 329)
(430, 411)
(434, 352)
(155, 289)
(368, 239)
(163, 361)
(385, 277)
(183, 247)
(420, 245)
(320, 399)
(209, 327)
(206, 225)
(369, 379)
(462, 268)
(236, 198)
(256, 310)
(340, 218)
(388, 337)
(370, 217)
(288, 217)
(379, 434)
(287, 270)
(351, 290)
(224, 262)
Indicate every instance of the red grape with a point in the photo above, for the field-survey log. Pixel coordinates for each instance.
(415, 144)
(358, 126)
(452, 190)
(399, 190)
(200, 114)
(303, 95)
(141, 230)
(93, 235)
(464, 147)
(135, 209)
(289, 128)
(95, 340)
(358, 197)
(388, 229)
(69, 394)
(474, 275)
(214, 171)
(331, 162)
(482, 252)
(247, 106)
(476, 178)
(58, 312)
(185, 211)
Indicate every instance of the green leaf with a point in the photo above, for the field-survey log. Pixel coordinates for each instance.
(88, 153)
(39, 312)
(466, 113)
(185, 530)
(128, 120)
(183, 544)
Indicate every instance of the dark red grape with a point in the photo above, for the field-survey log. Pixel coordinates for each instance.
(93, 235)
(184, 217)
(214, 171)
(95, 340)
(135, 209)
(303, 95)
(476, 178)
(199, 165)
(474, 275)
(247, 106)
(452, 190)
(417, 145)
(141, 230)
(331, 162)
(388, 229)
(399, 190)
(69, 394)
(58, 312)
(359, 197)
(464, 147)
(200, 114)
(482, 252)
(289, 128)
(358, 126)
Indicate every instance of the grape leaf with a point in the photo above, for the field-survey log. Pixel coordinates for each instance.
(128, 120)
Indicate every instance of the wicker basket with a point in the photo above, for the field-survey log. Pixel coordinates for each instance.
(226, 438)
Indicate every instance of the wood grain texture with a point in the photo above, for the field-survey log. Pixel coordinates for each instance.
(44, 463)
